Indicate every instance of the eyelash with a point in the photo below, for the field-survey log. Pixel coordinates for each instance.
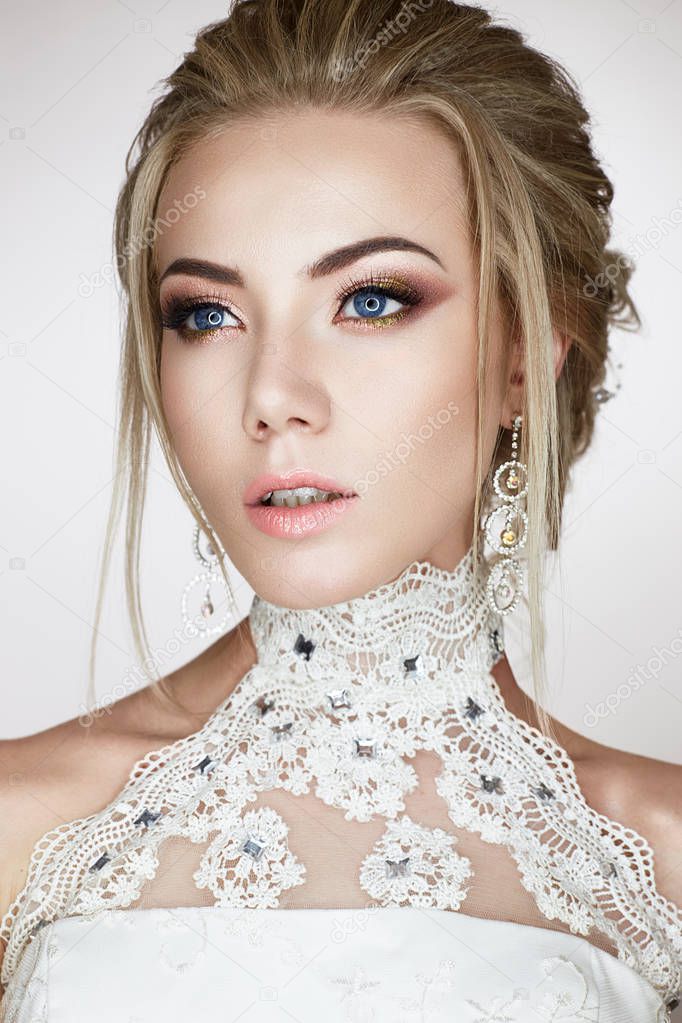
(176, 311)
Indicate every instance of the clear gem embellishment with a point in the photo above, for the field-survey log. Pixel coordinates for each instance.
(473, 710)
(303, 646)
(497, 641)
(397, 868)
(253, 848)
(543, 792)
(98, 864)
(365, 747)
(491, 784)
(339, 698)
(147, 817)
(412, 665)
(281, 731)
(203, 764)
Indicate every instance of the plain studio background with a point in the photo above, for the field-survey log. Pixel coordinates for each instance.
(77, 80)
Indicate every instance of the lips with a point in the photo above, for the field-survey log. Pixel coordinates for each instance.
(263, 484)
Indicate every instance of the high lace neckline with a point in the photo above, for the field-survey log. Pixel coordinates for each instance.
(427, 619)
(347, 708)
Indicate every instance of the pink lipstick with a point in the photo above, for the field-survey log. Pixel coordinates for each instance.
(268, 501)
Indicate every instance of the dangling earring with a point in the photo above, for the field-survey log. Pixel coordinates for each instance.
(211, 577)
(506, 528)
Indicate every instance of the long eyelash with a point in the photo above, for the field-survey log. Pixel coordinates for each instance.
(393, 287)
(174, 311)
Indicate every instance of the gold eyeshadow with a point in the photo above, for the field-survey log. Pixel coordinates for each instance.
(391, 285)
(175, 310)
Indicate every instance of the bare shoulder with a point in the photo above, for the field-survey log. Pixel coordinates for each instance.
(77, 767)
(639, 792)
(51, 777)
(56, 776)
(645, 794)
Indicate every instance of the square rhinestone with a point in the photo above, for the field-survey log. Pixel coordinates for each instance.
(281, 731)
(365, 747)
(398, 868)
(339, 698)
(253, 848)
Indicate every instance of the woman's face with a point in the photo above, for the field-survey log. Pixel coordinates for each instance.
(285, 362)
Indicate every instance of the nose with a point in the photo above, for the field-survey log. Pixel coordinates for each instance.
(282, 395)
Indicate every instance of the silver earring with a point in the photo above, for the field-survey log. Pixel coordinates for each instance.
(209, 580)
(506, 528)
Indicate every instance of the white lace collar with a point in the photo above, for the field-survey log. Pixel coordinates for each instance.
(427, 619)
(339, 697)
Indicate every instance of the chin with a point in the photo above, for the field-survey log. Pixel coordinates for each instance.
(310, 577)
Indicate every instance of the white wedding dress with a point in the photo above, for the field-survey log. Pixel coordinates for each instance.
(361, 832)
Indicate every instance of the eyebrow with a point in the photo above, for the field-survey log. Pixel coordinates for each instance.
(325, 265)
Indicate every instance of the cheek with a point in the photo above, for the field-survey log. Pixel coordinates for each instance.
(180, 396)
(424, 413)
(436, 445)
(173, 397)
(192, 398)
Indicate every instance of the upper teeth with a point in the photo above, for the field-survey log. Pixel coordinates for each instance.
(298, 495)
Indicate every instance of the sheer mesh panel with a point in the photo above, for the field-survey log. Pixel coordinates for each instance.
(333, 849)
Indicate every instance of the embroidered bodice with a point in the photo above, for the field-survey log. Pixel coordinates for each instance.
(366, 777)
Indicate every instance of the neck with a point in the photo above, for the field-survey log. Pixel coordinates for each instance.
(427, 619)
(438, 616)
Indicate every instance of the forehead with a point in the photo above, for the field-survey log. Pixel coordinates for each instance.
(288, 186)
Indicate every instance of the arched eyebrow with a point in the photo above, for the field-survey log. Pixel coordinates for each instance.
(327, 264)
(348, 254)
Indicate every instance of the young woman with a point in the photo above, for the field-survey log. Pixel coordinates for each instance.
(370, 334)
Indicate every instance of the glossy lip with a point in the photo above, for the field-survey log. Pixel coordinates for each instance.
(287, 481)
(304, 520)
(295, 523)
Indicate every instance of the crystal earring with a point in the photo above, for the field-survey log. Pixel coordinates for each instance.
(211, 577)
(506, 528)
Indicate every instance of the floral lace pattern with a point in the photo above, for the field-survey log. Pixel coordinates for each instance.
(416, 865)
(338, 697)
(249, 863)
(357, 768)
(568, 1000)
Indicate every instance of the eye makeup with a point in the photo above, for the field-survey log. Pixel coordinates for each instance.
(391, 286)
(411, 291)
(176, 310)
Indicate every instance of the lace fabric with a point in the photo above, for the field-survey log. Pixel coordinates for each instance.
(366, 760)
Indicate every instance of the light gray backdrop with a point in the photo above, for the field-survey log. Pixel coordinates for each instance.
(77, 79)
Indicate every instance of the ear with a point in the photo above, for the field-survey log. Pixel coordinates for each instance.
(562, 343)
(515, 384)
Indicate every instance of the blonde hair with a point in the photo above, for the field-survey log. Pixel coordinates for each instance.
(538, 204)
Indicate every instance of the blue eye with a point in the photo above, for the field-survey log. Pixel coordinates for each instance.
(372, 303)
(194, 318)
(208, 317)
(377, 302)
